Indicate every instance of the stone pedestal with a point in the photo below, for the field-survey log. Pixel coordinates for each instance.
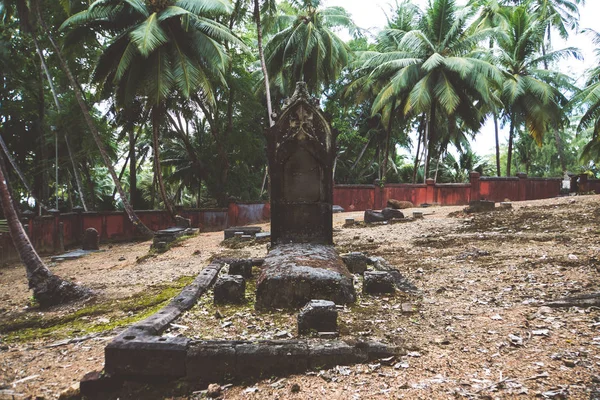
(294, 274)
(317, 316)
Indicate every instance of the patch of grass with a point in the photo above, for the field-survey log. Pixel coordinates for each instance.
(121, 312)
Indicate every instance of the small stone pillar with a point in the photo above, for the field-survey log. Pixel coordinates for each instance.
(241, 267)
(27, 220)
(378, 282)
(317, 316)
(475, 179)
(91, 239)
(356, 262)
(430, 196)
(230, 289)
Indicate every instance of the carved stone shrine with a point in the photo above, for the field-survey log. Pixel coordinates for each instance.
(302, 265)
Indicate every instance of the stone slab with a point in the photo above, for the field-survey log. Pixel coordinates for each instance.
(294, 274)
(72, 255)
(247, 230)
(129, 355)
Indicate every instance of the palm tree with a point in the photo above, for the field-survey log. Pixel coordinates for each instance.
(48, 289)
(25, 13)
(160, 47)
(590, 98)
(531, 95)
(308, 50)
(492, 14)
(433, 70)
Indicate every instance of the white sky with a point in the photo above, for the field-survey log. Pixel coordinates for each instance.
(370, 15)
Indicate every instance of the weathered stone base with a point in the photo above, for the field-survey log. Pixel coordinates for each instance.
(218, 361)
(294, 274)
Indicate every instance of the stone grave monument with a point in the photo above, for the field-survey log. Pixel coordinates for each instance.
(303, 264)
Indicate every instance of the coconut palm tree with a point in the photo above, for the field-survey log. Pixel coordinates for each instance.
(308, 49)
(159, 48)
(530, 94)
(433, 70)
(589, 97)
(48, 289)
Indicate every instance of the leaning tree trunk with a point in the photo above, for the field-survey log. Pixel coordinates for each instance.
(48, 289)
(88, 119)
(15, 166)
(157, 170)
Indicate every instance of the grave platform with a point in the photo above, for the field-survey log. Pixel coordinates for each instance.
(293, 274)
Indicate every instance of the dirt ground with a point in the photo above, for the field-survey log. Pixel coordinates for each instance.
(481, 330)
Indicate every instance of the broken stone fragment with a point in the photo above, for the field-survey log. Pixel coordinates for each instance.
(230, 289)
(377, 282)
(317, 316)
(241, 267)
(356, 262)
(390, 213)
(373, 216)
(480, 206)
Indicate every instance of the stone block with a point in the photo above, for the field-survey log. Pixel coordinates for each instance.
(356, 262)
(182, 222)
(371, 216)
(330, 353)
(91, 239)
(349, 222)
(378, 282)
(96, 382)
(130, 355)
(391, 213)
(294, 274)
(241, 267)
(212, 361)
(417, 214)
(317, 316)
(481, 206)
(247, 230)
(269, 358)
(337, 209)
(230, 289)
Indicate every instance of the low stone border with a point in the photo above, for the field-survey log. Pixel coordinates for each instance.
(140, 353)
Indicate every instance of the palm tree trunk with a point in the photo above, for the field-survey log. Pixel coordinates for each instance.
(498, 171)
(48, 289)
(132, 170)
(77, 177)
(88, 119)
(58, 108)
(420, 138)
(560, 149)
(20, 174)
(388, 139)
(263, 63)
(156, 110)
(510, 144)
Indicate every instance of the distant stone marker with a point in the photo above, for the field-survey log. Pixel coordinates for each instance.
(302, 264)
(91, 239)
